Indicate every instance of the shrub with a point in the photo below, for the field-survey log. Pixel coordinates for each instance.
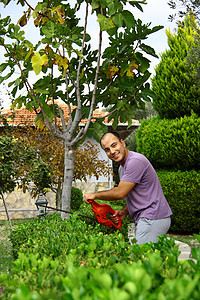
(181, 190)
(175, 91)
(76, 198)
(88, 269)
(171, 144)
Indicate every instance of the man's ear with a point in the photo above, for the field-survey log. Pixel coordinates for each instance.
(123, 143)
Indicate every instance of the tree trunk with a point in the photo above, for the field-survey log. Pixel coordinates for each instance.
(58, 195)
(68, 178)
(5, 206)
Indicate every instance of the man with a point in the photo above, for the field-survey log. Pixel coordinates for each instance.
(139, 184)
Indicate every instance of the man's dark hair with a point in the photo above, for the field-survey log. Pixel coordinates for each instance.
(115, 133)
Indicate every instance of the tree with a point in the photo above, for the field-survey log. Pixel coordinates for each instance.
(185, 7)
(193, 61)
(174, 89)
(50, 150)
(71, 71)
(17, 163)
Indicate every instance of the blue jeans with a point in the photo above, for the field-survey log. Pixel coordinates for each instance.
(148, 230)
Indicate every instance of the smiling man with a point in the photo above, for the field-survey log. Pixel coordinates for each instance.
(139, 184)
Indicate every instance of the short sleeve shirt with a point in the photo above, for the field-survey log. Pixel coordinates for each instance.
(146, 199)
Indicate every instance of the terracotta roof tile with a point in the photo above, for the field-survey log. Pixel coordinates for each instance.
(23, 116)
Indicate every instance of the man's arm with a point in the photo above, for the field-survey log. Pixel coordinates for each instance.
(117, 193)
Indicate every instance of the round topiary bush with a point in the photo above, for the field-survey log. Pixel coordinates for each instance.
(181, 190)
(76, 198)
(171, 144)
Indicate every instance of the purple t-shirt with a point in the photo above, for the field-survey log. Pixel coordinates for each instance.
(146, 199)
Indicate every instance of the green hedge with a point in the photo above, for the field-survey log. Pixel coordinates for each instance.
(69, 259)
(171, 144)
(181, 190)
(76, 198)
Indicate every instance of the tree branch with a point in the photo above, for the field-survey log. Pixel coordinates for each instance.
(62, 119)
(77, 117)
(106, 116)
(28, 5)
(54, 113)
(95, 82)
(83, 131)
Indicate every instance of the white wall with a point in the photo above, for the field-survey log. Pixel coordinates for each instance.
(102, 156)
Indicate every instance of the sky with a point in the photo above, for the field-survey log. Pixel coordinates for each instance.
(155, 12)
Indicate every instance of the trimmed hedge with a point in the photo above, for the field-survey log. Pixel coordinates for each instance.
(76, 198)
(181, 190)
(171, 144)
(67, 259)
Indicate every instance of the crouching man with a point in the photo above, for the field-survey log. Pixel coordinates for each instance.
(139, 184)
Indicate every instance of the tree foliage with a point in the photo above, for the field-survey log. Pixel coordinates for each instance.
(193, 61)
(184, 7)
(174, 87)
(47, 150)
(69, 69)
(20, 165)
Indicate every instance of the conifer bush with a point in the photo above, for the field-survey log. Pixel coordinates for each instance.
(176, 93)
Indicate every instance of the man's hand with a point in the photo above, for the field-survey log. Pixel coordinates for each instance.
(121, 213)
(88, 197)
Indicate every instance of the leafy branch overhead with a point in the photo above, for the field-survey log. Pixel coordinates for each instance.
(65, 59)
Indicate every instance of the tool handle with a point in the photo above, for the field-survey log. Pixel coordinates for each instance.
(118, 226)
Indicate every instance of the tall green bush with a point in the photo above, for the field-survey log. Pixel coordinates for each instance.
(171, 144)
(174, 88)
(181, 190)
(76, 198)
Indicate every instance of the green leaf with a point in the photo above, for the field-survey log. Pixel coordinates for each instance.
(3, 67)
(128, 19)
(42, 91)
(95, 4)
(156, 28)
(112, 8)
(48, 29)
(96, 130)
(28, 44)
(15, 33)
(14, 91)
(118, 19)
(144, 64)
(6, 77)
(137, 4)
(105, 23)
(196, 253)
(148, 50)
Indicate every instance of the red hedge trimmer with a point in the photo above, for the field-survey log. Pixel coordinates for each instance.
(100, 211)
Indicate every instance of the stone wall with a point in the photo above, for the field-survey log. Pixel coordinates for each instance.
(22, 205)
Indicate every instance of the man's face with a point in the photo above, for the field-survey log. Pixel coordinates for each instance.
(115, 149)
